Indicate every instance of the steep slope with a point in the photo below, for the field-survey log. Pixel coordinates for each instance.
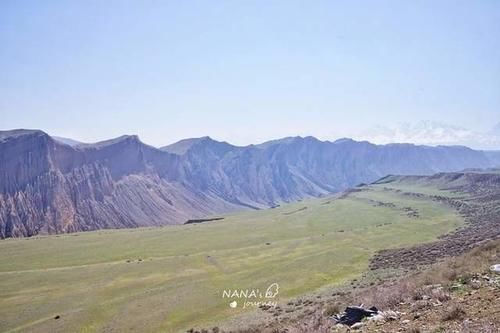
(50, 187)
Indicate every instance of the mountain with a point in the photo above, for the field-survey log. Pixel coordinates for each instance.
(49, 187)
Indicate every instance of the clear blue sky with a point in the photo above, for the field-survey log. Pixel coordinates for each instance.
(246, 71)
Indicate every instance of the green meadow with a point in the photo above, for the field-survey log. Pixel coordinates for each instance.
(172, 278)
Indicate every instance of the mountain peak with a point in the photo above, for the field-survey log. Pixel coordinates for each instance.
(15, 133)
(287, 140)
(344, 140)
(111, 142)
(183, 146)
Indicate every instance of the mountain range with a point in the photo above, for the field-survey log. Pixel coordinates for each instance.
(53, 185)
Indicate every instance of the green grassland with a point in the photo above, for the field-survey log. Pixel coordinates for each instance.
(172, 278)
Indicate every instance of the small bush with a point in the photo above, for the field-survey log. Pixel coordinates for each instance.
(440, 295)
(331, 310)
(455, 313)
(418, 294)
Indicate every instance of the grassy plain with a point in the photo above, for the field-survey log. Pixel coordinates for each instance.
(170, 279)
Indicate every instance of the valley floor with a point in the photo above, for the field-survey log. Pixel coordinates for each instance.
(173, 278)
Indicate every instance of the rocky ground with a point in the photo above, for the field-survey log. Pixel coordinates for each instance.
(466, 305)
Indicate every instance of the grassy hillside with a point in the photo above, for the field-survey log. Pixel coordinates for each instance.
(171, 278)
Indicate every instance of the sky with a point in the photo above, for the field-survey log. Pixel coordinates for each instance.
(249, 71)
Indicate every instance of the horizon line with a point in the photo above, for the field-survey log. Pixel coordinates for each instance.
(61, 139)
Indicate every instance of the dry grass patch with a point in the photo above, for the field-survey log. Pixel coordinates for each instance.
(430, 282)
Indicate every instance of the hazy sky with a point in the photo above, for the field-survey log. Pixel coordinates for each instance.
(246, 71)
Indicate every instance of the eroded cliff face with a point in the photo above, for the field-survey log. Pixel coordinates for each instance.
(48, 187)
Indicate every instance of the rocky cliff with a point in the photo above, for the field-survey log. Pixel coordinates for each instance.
(49, 187)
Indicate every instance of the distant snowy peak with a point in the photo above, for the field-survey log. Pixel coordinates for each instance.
(433, 133)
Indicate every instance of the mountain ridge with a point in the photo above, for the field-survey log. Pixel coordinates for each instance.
(51, 187)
